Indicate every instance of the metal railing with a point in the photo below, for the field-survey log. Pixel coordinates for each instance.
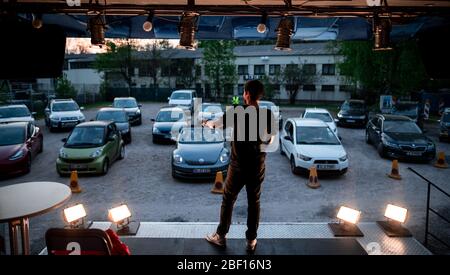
(429, 209)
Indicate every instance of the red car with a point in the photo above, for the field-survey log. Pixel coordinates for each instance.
(20, 142)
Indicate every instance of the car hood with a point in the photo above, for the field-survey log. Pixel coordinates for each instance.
(321, 151)
(122, 126)
(354, 112)
(67, 114)
(80, 153)
(180, 102)
(168, 126)
(131, 110)
(9, 150)
(209, 115)
(192, 153)
(408, 138)
(17, 119)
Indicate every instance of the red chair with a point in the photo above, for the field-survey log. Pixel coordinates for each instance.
(78, 242)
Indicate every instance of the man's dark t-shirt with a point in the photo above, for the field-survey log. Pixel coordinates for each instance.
(250, 132)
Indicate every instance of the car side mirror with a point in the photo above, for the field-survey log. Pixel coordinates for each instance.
(112, 138)
(152, 120)
(81, 108)
(288, 138)
(91, 119)
(168, 99)
(64, 140)
(47, 110)
(336, 120)
(33, 113)
(139, 105)
(439, 121)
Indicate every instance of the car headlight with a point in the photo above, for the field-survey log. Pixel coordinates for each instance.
(344, 158)
(156, 130)
(224, 157)
(389, 143)
(430, 146)
(303, 157)
(138, 111)
(55, 118)
(81, 117)
(362, 117)
(339, 115)
(97, 153)
(177, 158)
(62, 154)
(18, 155)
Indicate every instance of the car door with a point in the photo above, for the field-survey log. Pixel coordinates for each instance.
(32, 139)
(288, 140)
(110, 146)
(375, 130)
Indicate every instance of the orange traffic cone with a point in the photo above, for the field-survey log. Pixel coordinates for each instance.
(313, 181)
(395, 174)
(74, 187)
(440, 163)
(218, 184)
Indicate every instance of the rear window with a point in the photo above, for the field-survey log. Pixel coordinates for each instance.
(181, 96)
(14, 112)
(325, 117)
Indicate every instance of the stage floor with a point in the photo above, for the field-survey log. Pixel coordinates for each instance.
(187, 238)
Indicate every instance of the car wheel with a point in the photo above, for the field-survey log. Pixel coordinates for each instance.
(368, 138)
(380, 150)
(294, 168)
(129, 138)
(441, 139)
(122, 152)
(281, 149)
(139, 121)
(105, 167)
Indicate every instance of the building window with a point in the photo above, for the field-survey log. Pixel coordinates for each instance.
(198, 70)
(328, 69)
(327, 88)
(309, 88)
(240, 89)
(291, 66)
(242, 69)
(346, 88)
(259, 70)
(274, 69)
(309, 69)
(81, 65)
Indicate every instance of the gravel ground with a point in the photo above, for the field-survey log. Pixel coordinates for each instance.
(143, 180)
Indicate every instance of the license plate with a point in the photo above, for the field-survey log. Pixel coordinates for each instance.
(412, 153)
(69, 124)
(78, 166)
(201, 171)
(326, 167)
(351, 120)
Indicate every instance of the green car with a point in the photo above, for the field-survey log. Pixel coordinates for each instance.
(90, 148)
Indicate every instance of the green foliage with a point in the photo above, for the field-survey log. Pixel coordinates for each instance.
(218, 60)
(64, 88)
(293, 76)
(185, 72)
(397, 72)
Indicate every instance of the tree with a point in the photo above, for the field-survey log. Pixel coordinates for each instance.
(293, 76)
(155, 52)
(186, 74)
(218, 61)
(64, 88)
(118, 58)
(398, 72)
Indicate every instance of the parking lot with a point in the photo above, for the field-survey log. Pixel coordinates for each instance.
(143, 180)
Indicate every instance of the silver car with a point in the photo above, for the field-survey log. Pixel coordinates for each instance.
(16, 113)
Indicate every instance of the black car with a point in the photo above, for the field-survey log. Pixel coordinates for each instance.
(120, 117)
(200, 154)
(444, 125)
(399, 137)
(353, 113)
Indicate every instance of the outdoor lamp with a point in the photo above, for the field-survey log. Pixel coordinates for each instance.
(96, 27)
(395, 215)
(284, 31)
(262, 28)
(75, 215)
(346, 227)
(120, 217)
(37, 21)
(381, 33)
(187, 28)
(148, 24)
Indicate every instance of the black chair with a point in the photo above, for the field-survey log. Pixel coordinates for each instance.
(61, 241)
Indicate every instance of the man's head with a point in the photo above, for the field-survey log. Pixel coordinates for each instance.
(253, 91)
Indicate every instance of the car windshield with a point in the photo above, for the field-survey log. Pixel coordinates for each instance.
(170, 116)
(116, 116)
(325, 117)
(125, 103)
(14, 112)
(86, 137)
(446, 117)
(201, 136)
(181, 96)
(405, 110)
(401, 127)
(212, 108)
(353, 106)
(270, 105)
(316, 135)
(12, 135)
(65, 107)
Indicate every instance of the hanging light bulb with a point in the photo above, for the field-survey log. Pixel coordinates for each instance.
(381, 33)
(262, 27)
(284, 31)
(148, 24)
(187, 30)
(37, 21)
(96, 27)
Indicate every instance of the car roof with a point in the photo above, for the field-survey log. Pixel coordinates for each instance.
(311, 122)
(13, 106)
(62, 99)
(171, 109)
(211, 103)
(394, 117)
(95, 123)
(183, 91)
(124, 98)
(356, 101)
(316, 110)
(14, 124)
(109, 109)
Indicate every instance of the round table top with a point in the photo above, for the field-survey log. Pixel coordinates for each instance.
(30, 199)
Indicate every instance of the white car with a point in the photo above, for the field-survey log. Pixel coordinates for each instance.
(63, 113)
(16, 113)
(182, 98)
(210, 111)
(274, 108)
(308, 142)
(323, 115)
